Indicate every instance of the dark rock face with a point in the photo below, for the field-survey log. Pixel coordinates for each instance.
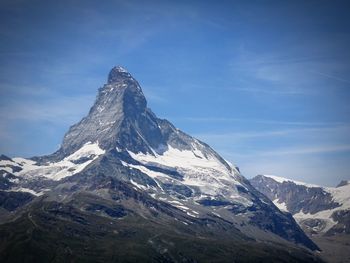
(266, 216)
(6, 180)
(115, 211)
(5, 158)
(297, 197)
(12, 200)
(118, 74)
(309, 200)
(342, 218)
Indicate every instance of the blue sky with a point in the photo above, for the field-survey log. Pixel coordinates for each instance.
(265, 83)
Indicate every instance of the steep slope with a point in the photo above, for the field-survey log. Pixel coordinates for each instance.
(322, 209)
(323, 212)
(139, 167)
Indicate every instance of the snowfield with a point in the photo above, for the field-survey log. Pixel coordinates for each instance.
(69, 166)
(200, 170)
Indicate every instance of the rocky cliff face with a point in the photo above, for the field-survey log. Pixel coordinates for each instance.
(122, 166)
(323, 210)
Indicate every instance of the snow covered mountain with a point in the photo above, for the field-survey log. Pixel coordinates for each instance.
(321, 209)
(322, 212)
(121, 165)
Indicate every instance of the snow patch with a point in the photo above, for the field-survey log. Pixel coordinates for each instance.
(182, 207)
(26, 190)
(340, 194)
(140, 186)
(121, 69)
(324, 215)
(282, 180)
(281, 206)
(87, 150)
(59, 170)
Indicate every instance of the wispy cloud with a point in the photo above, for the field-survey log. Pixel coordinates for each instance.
(258, 121)
(331, 77)
(289, 71)
(302, 150)
(233, 136)
(322, 134)
(60, 110)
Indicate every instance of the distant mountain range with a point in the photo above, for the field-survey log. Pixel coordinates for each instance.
(323, 212)
(126, 186)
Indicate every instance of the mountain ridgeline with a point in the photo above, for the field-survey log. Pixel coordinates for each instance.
(322, 212)
(316, 208)
(126, 186)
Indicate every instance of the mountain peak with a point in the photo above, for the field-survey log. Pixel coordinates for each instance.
(122, 154)
(117, 118)
(117, 74)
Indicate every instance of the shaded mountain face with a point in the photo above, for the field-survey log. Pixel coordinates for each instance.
(119, 118)
(320, 210)
(124, 171)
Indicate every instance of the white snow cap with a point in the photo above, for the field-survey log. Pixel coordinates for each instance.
(280, 179)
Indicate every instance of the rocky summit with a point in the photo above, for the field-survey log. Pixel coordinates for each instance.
(126, 186)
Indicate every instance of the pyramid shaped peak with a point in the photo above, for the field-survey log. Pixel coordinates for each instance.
(117, 73)
(120, 69)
